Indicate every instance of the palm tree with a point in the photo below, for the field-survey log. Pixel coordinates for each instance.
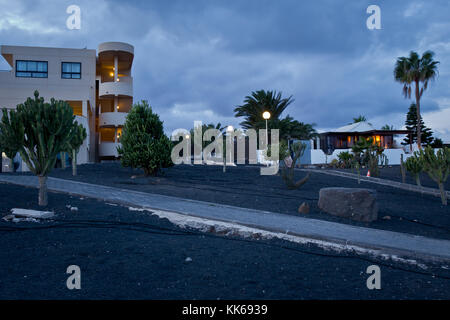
(387, 127)
(413, 69)
(257, 103)
(290, 128)
(204, 128)
(359, 119)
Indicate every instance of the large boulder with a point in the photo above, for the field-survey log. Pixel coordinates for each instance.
(354, 203)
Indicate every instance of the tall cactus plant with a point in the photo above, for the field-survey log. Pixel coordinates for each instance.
(42, 131)
(77, 136)
(287, 171)
(414, 165)
(437, 165)
(9, 139)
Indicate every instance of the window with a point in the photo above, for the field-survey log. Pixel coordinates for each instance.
(31, 69)
(71, 70)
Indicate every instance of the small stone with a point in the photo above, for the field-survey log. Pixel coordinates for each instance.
(188, 259)
(304, 208)
(386, 218)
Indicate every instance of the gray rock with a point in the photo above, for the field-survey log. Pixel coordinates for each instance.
(354, 203)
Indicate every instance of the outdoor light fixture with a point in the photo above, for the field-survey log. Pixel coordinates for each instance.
(266, 115)
(187, 136)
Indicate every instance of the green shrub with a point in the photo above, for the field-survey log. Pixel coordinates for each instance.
(345, 159)
(77, 136)
(437, 165)
(334, 163)
(41, 130)
(414, 165)
(144, 144)
(369, 154)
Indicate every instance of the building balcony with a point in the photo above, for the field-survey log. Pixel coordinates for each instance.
(123, 88)
(108, 149)
(113, 119)
(106, 47)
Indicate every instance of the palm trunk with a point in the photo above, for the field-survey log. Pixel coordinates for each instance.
(11, 163)
(43, 200)
(443, 194)
(74, 162)
(419, 129)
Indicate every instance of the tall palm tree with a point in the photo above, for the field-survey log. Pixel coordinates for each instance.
(258, 102)
(290, 128)
(413, 69)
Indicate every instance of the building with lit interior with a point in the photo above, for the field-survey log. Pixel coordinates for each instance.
(98, 85)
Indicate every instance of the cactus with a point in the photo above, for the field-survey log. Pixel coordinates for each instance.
(288, 171)
(77, 136)
(41, 132)
(414, 165)
(402, 169)
(9, 139)
(437, 165)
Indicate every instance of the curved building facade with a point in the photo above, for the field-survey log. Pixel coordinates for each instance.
(98, 85)
(114, 94)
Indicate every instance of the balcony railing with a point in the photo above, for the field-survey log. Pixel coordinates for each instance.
(112, 119)
(108, 149)
(123, 87)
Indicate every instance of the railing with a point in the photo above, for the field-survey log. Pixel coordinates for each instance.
(123, 87)
(112, 118)
(108, 149)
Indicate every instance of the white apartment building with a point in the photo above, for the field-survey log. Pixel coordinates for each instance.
(97, 85)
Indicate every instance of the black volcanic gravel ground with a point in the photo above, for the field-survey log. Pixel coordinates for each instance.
(241, 186)
(150, 263)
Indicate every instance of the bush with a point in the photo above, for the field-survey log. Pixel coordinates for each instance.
(369, 154)
(144, 144)
(414, 165)
(437, 165)
(345, 159)
(334, 163)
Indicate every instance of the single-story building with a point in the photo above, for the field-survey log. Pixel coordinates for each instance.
(345, 137)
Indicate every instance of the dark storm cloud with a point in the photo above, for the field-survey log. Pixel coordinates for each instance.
(196, 60)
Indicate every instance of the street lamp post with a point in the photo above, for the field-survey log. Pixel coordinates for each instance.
(266, 116)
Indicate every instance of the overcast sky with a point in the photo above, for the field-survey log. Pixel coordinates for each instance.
(198, 59)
